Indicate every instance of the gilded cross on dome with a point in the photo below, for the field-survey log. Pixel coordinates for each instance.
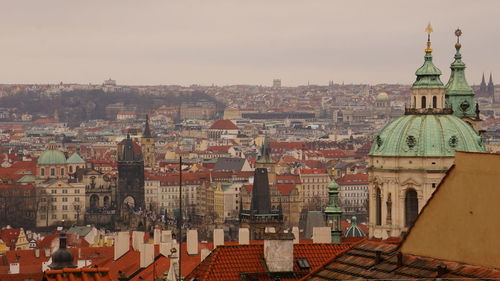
(428, 30)
(458, 33)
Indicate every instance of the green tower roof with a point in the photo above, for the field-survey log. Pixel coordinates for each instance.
(428, 74)
(457, 85)
(333, 191)
(75, 158)
(426, 135)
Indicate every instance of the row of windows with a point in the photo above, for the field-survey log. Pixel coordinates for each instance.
(64, 199)
(54, 208)
(54, 217)
(64, 191)
(358, 187)
(312, 180)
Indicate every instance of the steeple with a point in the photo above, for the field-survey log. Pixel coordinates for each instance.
(459, 95)
(482, 86)
(428, 74)
(261, 198)
(147, 130)
(491, 86)
(333, 212)
(265, 152)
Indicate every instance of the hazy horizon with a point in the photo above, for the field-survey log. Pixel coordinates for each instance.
(238, 42)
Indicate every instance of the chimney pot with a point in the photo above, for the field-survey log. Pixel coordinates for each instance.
(192, 242)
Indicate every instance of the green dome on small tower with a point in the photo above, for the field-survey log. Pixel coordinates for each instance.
(428, 74)
(52, 156)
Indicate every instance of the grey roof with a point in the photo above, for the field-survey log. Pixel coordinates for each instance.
(229, 164)
(80, 230)
(313, 219)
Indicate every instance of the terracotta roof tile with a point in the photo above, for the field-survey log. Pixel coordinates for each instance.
(228, 262)
(223, 125)
(78, 274)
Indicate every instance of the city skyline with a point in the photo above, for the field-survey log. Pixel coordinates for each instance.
(225, 43)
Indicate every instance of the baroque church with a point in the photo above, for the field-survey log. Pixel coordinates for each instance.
(411, 154)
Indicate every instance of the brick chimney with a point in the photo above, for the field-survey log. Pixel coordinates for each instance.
(278, 251)
(121, 244)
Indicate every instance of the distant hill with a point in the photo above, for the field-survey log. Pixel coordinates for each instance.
(81, 105)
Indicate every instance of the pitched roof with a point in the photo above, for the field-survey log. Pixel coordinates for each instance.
(360, 262)
(77, 274)
(228, 262)
(229, 164)
(223, 125)
(353, 179)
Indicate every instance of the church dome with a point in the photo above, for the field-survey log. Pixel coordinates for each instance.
(382, 96)
(426, 136)
(75, 158)
(52, 157)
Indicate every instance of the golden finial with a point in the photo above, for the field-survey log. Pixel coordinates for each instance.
(458, 33)
(428, 30)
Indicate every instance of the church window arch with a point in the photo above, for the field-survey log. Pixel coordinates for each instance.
(378, 206)
(434, 102)
(42, 172)
(411, 206)
(424, 102)
(52, 172)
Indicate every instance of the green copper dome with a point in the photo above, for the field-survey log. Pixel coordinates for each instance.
(426, 136)
(52, 156)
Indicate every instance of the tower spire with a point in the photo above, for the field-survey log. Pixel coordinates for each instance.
(428, 74)
(459, 95)
(333, 212)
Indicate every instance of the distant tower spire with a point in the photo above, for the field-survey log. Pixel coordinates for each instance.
(147, 130)
(482, 86)
(491, 86)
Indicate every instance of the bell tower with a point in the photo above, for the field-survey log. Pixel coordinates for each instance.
(148, 146)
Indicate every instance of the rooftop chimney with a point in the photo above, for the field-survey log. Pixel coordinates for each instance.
(14, 268)
(166, 236)
(157, 236)
(295, 231)
(147, 254)
(192, 242)
(37, 253)
(244, 236)
(137, 240)
(218, 237)
(165, 249)
(204, 253)
(278, 251)
(121, 246)
(321, 235)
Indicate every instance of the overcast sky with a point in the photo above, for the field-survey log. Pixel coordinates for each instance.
(241, 42)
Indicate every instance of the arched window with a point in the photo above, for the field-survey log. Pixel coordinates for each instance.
(52, 172)
(378, 206)
(94, 201)
(411, 207)
(424, 102)
(415, 102)
(71, 169)
(434, 102)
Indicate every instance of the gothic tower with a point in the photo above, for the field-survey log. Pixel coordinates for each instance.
(491, 87)
(482, 87)
(148, 146)
(130, 194)
(261, 215)
(266, 161)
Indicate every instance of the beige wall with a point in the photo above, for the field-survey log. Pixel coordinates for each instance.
(461, 222)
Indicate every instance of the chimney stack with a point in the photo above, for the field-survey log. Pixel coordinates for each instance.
(37, 253)
(244, 236)
(218, 237)
(296, 233)
(137, 240)
(165, 249)
(157, 236)
(204, 253)
(14, 268)
(192, 242)
(147, 254)
(321, 235)
(166, 236)
(278, 251)
(121, 245)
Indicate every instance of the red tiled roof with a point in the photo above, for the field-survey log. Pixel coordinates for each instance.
(223, 125)
(288, 178)
(74, 241)
(228, 262)
(285, 188)
(22, 276)
(312, 171)
(219, 148)
(9, 236)
(353, 179)
(78, 274)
